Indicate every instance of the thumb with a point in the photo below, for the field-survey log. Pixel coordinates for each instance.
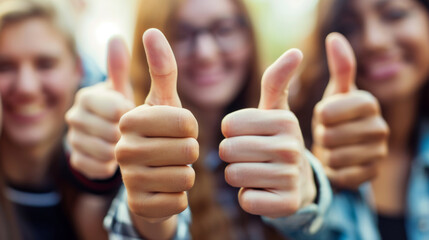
(275, 81)
(162, 68)
(118, 62)
(342, 64)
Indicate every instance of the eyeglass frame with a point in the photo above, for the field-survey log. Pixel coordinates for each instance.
(241, 22)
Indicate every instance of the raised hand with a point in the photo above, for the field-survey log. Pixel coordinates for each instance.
(93, 120)
(265, 149)
(350, 135)
(158, 141)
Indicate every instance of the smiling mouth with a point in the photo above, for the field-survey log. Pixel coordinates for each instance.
(27, 112)
(207, 78)
(382, 71)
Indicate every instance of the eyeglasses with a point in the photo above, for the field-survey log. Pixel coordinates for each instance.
(229, 34)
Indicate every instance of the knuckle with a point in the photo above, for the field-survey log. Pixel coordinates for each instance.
(224, 149)
(117, 112)
(381, 130)
(85, 95)
(287, 121)
(188, 178)
(82, 95)
(136, 206)
(73, 139)
(232, 175)
(333, 158)
(76, 162)
(339, 180)
(247, 204)
(383, 151)
(102, 173)
(124, 122)
(109, 153)
(72, 118)
(321, 112)
(384, 128)
(182, 203)
(322, 135)
(290, 176)
(327, 137)
(128, 120)
(288, 117)
(123, 151)
(369, 102)
(292, 205)
(289, 151)
(227, 125)
(191, 150)
(187, 124)
(69, 117)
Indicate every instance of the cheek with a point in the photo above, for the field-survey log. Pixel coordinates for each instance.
(413, 37)
(415, 45)
(62, 86)
(240, 61)
(5, 84)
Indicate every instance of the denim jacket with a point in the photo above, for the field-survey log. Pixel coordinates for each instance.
(350, 216)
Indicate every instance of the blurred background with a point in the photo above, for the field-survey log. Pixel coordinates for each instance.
(280, 24)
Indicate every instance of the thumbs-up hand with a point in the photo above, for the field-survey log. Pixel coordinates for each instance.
(265, 149)
(158, 142)
(94, 118)
(350, 135)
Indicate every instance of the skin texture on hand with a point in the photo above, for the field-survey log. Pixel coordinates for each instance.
(264, 148)
(158, 143)
(94, 118)
(350, 135)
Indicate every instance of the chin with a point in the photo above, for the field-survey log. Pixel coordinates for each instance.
(28, 138)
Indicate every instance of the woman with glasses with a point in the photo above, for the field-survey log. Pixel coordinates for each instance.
(217, 74)
(382, 191)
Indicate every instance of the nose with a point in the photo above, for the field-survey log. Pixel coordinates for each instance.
(27, 83)
(375, 37)
(206, 48)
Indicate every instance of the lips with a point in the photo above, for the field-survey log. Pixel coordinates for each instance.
(207, 77)
(382, 68)
(26, 113)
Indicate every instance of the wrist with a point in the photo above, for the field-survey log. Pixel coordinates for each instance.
(155, 228)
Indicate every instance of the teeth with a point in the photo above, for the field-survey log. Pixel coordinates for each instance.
(29, 109)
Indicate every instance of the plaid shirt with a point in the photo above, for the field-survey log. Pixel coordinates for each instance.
(119, 225)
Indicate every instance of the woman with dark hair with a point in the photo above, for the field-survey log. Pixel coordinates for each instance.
(382, 191)
(217, 73)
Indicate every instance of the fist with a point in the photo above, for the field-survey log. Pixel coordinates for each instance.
(350, 135)
(158, 141)
(265, 150)
(93, 120)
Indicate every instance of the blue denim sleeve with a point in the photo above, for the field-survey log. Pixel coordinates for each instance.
(119, 225)
(308, 220)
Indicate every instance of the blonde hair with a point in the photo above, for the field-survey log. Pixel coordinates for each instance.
(13, 11)
(56, 12)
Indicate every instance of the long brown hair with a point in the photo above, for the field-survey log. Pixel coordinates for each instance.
(13, 11)
(208, 219)
(315, 76)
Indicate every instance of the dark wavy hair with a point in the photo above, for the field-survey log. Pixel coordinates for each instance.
(315, 75)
